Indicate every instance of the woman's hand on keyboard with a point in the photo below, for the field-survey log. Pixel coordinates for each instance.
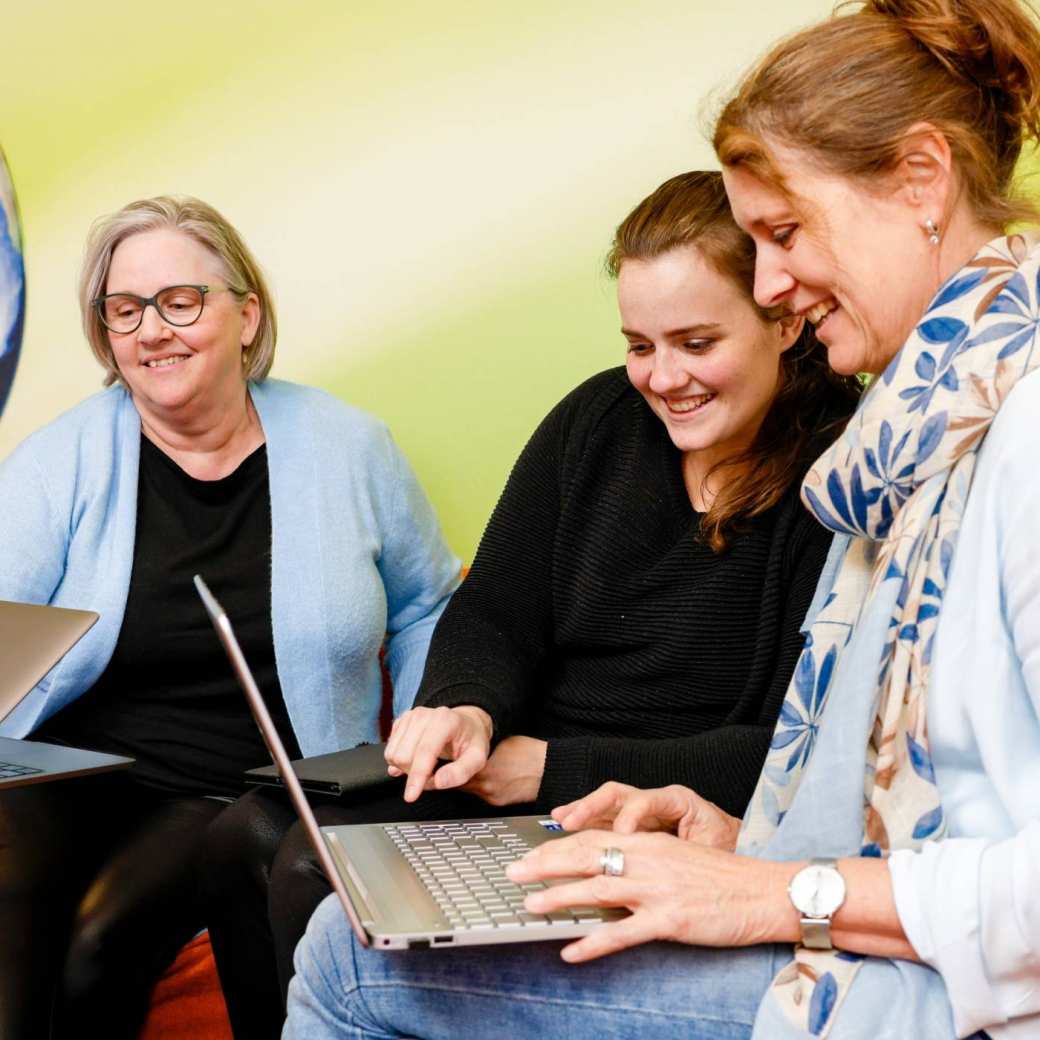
(676, 890)
(422, 736)
(626, 809)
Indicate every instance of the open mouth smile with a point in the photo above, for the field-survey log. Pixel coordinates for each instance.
(686, 405)
(165, 362)
(820, 312)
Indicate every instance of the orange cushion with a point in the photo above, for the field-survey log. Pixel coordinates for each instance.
(187, 1002)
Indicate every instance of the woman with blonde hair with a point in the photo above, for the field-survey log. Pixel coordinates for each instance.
(894, 836)
(191, 461)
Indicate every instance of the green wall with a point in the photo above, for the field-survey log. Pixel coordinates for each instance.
(430, 186)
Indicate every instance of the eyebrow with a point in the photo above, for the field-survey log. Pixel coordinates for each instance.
(711, 326)
(772, 218)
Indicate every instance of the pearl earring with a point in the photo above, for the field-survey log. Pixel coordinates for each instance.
(932, 230)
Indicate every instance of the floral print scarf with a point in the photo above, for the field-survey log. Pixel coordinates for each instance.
(895, 484)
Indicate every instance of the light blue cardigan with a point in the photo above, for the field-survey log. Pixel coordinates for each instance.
(356, 553)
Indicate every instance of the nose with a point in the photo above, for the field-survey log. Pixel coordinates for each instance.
(152, 328)
(773, 282)
(667, 374)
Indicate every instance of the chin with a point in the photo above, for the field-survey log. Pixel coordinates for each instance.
(166, 398)
(845, 360)
(688, 444)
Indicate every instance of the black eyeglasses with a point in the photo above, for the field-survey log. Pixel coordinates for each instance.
(178, 305)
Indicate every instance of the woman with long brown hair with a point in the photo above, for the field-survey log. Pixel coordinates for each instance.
(634, 608)
(894, 836)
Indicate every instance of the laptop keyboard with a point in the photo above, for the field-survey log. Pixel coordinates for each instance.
(462, 865)
(8, 770)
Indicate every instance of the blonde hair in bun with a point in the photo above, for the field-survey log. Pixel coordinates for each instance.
(847, 90)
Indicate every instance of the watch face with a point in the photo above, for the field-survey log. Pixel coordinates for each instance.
(817, 891)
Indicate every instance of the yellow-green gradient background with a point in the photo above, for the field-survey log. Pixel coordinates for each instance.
(430, 186)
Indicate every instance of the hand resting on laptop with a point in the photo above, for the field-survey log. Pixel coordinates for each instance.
(625, 809)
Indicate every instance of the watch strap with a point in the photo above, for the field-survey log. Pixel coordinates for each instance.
(816, 933)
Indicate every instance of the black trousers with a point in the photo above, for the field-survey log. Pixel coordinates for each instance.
(98, 892)
(262, 881)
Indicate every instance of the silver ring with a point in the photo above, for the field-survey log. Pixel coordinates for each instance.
(613, 862)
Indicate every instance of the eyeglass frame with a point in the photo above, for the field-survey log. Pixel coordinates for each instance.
(153, 301)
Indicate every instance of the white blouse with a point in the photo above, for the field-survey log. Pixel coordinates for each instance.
(970, 904)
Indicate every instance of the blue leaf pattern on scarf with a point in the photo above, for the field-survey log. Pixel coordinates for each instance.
(836, 491)
(931, 436)
(941, 330)
(920, 760)
(958, 288)
(928, 824)
(825, 994)
(799, 719)
(821, 512)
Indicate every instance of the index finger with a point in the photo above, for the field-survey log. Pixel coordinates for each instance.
(426, 752)
(602, 804)
(424, 762)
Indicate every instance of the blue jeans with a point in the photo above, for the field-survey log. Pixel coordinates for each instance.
(661, 990)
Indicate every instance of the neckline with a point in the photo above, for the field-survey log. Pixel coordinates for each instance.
(242, 471)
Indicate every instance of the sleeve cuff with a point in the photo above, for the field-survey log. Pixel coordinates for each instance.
(466, 693)
(937, 897)
(405, 660)
(1011, 923)
(566, 775)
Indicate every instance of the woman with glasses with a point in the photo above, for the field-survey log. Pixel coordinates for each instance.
(302, 516)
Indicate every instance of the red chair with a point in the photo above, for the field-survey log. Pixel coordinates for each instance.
(187, 1002)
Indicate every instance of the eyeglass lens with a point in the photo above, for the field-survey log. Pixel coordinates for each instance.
(177, 305)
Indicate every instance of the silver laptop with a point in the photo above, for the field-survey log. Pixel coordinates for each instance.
(33, 639)
(426, 884)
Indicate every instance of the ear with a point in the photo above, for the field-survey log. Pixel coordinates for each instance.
(250, 311)
(789, 328)
(924, 171)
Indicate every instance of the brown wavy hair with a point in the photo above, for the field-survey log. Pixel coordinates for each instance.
(812, 404)
(848, 90)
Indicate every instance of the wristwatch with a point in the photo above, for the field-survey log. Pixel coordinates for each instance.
(817, 892)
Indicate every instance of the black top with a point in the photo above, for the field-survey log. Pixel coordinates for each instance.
(169, 697)
(594, 617)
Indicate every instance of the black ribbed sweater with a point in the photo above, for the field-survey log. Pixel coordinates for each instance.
(595, 618)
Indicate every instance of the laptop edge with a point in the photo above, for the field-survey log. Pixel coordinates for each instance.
(274, 745)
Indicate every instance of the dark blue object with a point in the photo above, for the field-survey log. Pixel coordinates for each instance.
(12, 283)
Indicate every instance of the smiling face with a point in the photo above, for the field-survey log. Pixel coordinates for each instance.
(177, 373)
(859, 267)
(700, 353)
